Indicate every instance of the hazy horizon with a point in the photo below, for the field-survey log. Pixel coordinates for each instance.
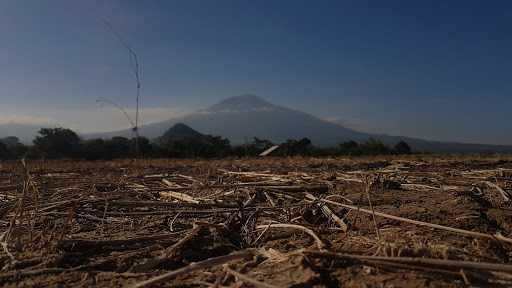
(438, 71)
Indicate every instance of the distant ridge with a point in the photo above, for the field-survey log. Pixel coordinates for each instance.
(243, 117)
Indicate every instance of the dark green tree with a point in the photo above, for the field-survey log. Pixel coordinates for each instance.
(253, 148)
(146, 148)
(118, 147)
(402, 148)
(14, 149)
(217, 146)
(205, 146)
(261, 144)
(10, 141)
(18, 151)
(349, 148)
(374, 147)
(4, 152)
(57, 143)
(293, 147)
(94, 149)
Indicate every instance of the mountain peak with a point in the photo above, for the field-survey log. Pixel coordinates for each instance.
(245, 102)
(181, 131)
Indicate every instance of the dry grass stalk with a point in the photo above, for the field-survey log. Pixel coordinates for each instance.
(176, 195)
(179, 196)
(369, 182)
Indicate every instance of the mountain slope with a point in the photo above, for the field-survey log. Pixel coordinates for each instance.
(243, 117)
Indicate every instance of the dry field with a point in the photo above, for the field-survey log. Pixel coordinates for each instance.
(291, 222)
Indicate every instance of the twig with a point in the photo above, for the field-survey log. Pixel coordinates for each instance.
(189, 178)
(172, 222)
(104, 216)
(179, 196)
(171, 204)
(262, 233)
(20, 274)
(168, 253)
(421, 223)
(319, 242)
(86, 216)
(248, 279)
(504, 194)
(137, 71)
(208, 263)
(464, 277)
(88, 244)
(320, 188)
(450, 264)
(5, 246)
(176, 195)
(269, 199)
(328, 213)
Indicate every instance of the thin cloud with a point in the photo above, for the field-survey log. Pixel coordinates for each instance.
(103, 119)
(106, 119)
(24, 119)
(352, 123)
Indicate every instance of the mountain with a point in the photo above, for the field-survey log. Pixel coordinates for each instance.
(243, 103)
(25, 132)
(243, 117)
(179, 132)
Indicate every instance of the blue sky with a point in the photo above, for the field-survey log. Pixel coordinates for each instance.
(431, 69)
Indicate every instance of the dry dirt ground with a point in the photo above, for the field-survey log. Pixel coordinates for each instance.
(418, 221)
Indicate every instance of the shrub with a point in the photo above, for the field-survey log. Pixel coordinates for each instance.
(374, 147)
(402, 148)
(4, 152)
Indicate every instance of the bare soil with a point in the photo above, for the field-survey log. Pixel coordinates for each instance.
(287, 222)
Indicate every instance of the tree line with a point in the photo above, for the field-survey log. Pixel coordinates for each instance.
(58, 143)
